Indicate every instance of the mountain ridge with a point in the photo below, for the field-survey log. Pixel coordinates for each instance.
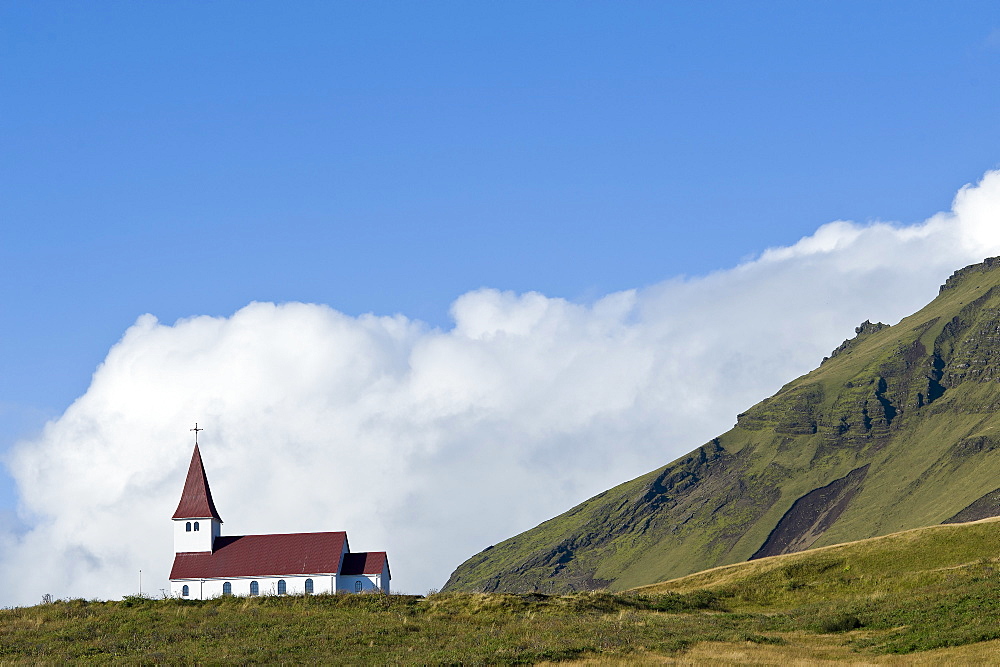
(894, 430)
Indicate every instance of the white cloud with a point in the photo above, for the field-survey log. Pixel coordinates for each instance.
(434, 444)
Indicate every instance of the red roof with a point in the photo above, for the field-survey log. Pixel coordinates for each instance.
(264, 555)
(366, 562)
(196, 499)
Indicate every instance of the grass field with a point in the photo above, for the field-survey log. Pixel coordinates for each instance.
(929, 595)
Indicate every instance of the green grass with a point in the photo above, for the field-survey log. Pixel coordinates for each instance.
(911, 592)
(443, 628)
(921, 589)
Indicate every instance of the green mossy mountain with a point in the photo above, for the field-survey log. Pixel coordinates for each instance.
(899, 428)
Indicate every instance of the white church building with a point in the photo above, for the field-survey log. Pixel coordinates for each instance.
(208, 564)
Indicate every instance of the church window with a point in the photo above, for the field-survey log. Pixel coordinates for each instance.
(254, 588)
(357, 586)
(227, 588)
(188, 527)
(281, 586)
(185, 591)
(309, 586)
(196, 525)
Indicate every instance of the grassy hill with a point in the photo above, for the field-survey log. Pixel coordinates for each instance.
(899, 428)
(932, 594)
(925, 588)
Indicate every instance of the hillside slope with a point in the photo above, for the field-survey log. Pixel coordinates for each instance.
(897, 564)
(897, 429)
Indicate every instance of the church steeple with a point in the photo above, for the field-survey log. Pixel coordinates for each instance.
(196, 499)
(196, 521)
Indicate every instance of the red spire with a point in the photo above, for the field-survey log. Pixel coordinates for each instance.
(196, 500)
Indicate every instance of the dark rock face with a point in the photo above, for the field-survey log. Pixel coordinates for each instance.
(986, 507)
(899, 428)
(811, 515)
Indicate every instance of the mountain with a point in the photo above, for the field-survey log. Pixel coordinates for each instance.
(897, 429)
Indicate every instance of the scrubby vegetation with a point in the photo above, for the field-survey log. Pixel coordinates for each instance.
(905, 593)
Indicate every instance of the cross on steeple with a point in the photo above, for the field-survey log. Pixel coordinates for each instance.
(196, 429)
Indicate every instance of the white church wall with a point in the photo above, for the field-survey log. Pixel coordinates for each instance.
(206, 589)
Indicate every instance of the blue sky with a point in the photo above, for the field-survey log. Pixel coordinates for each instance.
(188, 158)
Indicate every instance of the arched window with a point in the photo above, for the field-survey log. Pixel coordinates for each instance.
(227, 588)
(309, 586)
(185, 591)
(188, 527)
(196, 525)
(357, 586)
(281, 586)
(254, 588)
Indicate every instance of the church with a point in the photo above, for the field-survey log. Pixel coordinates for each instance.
(208, 564)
